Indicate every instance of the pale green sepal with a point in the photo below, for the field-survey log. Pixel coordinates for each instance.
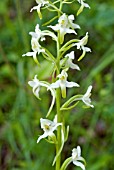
(50, 34)
(68, 2)
(61, 147)
(80, 9)
(51, 107)
(52, 139)
(63, 92)
(36, 60)
(47, 23)
(53, 98)
(83, 160)
(66, 163)
(61, 38)
(82, 56)
(62, 62)
(66, 133)
(68, 43)
(49, 141)
(54, 7)
(49, 55)
(52, 103)
(56, 1)
(71, 100)
(71, 107)
(85, 106)
(39, 14)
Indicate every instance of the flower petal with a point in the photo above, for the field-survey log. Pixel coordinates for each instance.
(71, 84)
(29, 54)
(56, 84)
(88, 91)
(77, 163)
(79, 151)
(42, 136)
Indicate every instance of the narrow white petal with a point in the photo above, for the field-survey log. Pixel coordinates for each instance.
(32, 83)
(36, 92)
(87, 49)
(71, 17)
(70, 55)
(73, 66)
(41, 137)
(55, 28)
(34, 8)
(77, 163)
(86, 5)
(29, 54)
(88, 91)
(69, 31)
(71, 84)
(56, 84)
(79, 151)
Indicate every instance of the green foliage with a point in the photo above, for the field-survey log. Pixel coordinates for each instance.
(19, 109)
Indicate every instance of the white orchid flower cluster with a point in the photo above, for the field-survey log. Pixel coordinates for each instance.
(55, 131)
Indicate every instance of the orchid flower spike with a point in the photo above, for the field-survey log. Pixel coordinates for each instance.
(36, 84)
(86, 97)
(65, 25)
(69, 62)
(48, 127)
(83, 4)
(40, 3)
(63, 83)
(76, 157)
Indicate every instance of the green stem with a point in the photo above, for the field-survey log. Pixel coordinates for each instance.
(58, 145)
(58, 101)
(58, 98)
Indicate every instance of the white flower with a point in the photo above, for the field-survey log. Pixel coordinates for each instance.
(38, 34)
(69, 62)
(86, 97)
(81, 44)
(36, 47)
(63, 83)
(65, 25)
(48, 127)
(36, 84)
(83, 4)
(76, 157)
(40, 3)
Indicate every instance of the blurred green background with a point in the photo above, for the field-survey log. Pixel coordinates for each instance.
(20, 111)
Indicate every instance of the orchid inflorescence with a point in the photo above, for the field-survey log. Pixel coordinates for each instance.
(55, 131)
